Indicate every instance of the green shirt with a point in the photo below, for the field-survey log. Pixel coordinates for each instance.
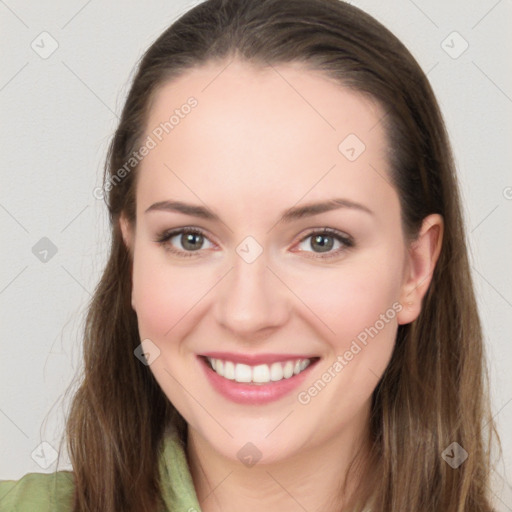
(53, 492)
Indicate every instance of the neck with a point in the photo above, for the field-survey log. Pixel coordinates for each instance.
(310, 480)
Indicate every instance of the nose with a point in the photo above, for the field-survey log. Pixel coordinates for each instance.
(252, 302)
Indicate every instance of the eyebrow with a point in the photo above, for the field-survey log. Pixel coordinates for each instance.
(291, 214)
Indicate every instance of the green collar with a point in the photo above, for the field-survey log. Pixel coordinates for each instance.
(178, 491)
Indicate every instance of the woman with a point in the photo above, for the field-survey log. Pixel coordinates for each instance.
(287, 318)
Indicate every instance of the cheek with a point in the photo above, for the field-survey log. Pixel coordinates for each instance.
(340, 300)
(359, 304)
(164, 295)
(353, 296)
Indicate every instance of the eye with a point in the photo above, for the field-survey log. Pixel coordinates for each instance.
(190, 239)
(325, 239)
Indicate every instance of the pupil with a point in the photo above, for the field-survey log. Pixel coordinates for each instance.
(320, 239)
(190, 239)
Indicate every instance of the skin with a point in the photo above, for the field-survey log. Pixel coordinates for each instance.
(262, 140)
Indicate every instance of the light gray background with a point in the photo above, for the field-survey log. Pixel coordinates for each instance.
(58, 114)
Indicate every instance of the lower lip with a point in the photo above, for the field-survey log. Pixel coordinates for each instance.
(254, 394)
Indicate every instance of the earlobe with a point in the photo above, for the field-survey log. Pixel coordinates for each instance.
(423, 254)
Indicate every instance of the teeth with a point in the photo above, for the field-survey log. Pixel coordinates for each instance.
(229, 370)
(260, 374)
(276, 372)
(288, 369)
(243, 373)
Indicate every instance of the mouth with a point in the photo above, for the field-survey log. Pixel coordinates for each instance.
(263, 373)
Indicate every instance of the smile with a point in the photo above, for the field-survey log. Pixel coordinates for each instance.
(259, 374)
(256, 379)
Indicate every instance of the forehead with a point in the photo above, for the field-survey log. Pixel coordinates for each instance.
(277, 130)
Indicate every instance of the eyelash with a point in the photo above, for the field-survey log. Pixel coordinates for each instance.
(165, 236)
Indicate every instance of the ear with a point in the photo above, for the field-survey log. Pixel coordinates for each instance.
(422, 256)
(128, 238)
(126, 231)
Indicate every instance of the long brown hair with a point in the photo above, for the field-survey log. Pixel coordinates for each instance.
(435, 389)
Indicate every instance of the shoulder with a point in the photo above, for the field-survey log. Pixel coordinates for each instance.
(44, 492)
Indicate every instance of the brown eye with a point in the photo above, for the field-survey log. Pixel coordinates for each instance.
(183, 242)
(323, 241)
(191, 241)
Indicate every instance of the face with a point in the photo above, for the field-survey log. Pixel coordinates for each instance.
(245, 284)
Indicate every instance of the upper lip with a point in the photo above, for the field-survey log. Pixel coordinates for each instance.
(255, 359)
